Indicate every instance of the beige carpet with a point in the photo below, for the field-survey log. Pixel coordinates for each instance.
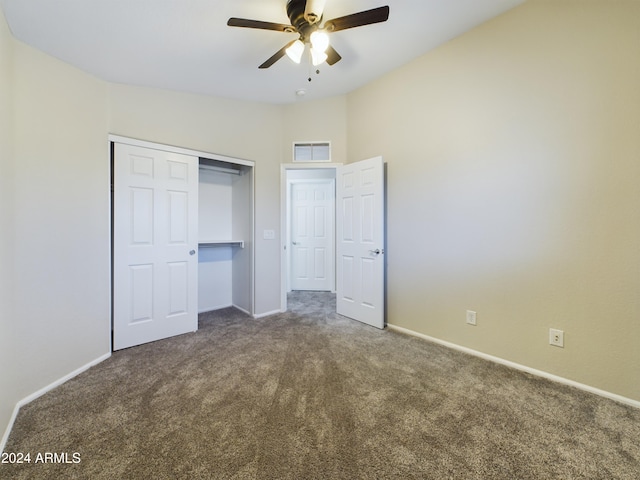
(312, 395)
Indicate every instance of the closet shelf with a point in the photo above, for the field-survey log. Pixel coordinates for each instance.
(219, 243)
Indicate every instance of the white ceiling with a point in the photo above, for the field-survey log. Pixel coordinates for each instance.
(185, 45)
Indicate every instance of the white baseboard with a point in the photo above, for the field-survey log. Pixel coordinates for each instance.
(267, 314)
(213, 309)
(241, 309)
(44, 390)
(517, 366)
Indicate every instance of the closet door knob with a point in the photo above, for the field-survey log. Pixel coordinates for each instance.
(192, 252)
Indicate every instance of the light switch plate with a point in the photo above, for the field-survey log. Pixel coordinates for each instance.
(269, 234)
(471, 317)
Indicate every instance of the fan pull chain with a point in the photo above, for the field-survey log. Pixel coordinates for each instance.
(310, 65)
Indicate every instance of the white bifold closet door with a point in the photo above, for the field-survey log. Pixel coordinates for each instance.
(360, 241)
(155, 267)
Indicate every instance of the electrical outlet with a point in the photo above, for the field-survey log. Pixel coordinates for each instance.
(471, 317)
(556, 337)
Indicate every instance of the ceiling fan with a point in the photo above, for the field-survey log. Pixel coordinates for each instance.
(305, 17)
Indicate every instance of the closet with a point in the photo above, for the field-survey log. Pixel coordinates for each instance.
(225, 233)
(182, 238)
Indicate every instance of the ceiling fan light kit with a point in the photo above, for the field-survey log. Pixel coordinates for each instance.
(319, 41)
(306, 17)
(295, 51)
(317, 57)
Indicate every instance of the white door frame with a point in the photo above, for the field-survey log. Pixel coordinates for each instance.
(284, 223)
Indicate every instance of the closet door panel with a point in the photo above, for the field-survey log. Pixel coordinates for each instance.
(178, 218)
(155, 241)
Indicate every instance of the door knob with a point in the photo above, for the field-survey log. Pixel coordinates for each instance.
(377, 251)
(192, 252)
(295, 243)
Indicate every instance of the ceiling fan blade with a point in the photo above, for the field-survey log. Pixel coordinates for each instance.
(332, 55)
(276, 56)
(244, 22)
(367, 17)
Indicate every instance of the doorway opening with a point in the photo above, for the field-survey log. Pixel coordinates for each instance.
(358, 233)
(308, 229)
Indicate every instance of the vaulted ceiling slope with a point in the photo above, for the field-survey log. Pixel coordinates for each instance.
(187, 45)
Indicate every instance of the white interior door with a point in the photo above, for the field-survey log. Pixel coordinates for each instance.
(312, 235)
(155, 245)
(360, 241)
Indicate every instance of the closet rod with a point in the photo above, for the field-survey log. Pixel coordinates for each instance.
(219, 169)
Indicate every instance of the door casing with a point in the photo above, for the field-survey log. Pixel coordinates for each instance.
(284, 227)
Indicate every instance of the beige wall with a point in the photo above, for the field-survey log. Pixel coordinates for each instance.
(8, 396)
(54, 218)
(61, 222)
(513, 165)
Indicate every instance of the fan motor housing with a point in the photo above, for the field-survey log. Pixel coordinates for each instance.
(295, 12)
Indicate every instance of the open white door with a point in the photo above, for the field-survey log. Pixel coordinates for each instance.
(360, 241)
(155, 265)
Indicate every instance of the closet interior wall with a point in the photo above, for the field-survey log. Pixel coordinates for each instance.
(225, 233)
